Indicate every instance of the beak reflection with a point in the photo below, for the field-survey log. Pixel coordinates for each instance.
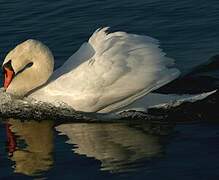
(30, 146)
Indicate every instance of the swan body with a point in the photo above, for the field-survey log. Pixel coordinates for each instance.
(110, 72)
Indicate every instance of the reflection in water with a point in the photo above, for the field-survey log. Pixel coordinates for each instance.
(119, 147)
(30, 145)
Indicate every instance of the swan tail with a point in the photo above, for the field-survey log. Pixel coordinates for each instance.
(163, 101)
(176, 100)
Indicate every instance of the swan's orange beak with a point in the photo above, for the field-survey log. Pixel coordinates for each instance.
(9, 74)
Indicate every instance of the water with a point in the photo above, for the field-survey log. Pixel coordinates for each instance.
(188, 31)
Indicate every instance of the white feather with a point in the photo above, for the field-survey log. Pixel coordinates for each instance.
(109, 72)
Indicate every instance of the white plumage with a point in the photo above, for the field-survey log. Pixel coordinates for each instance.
(110, 72)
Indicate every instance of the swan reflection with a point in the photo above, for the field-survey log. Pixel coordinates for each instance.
(119, 147)
(30, 145)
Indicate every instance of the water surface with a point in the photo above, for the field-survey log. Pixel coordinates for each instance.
(188, 31)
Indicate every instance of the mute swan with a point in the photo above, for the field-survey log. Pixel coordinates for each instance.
(110, 72)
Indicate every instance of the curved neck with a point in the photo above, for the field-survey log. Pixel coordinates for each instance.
(27, 78)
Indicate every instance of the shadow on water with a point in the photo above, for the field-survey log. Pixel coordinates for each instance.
(116, 148)
(119, 147)
(200, 79)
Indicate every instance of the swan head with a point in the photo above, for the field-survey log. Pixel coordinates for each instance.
(26, 67)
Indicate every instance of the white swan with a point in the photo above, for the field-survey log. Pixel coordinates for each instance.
(110, 72)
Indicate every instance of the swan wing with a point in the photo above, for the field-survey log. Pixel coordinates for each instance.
(111, 71)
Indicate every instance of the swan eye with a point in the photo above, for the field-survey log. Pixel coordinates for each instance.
(25, 67)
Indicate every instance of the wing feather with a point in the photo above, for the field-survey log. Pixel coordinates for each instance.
(111, 71)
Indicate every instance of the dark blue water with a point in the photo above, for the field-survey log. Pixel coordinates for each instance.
(188, 31)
